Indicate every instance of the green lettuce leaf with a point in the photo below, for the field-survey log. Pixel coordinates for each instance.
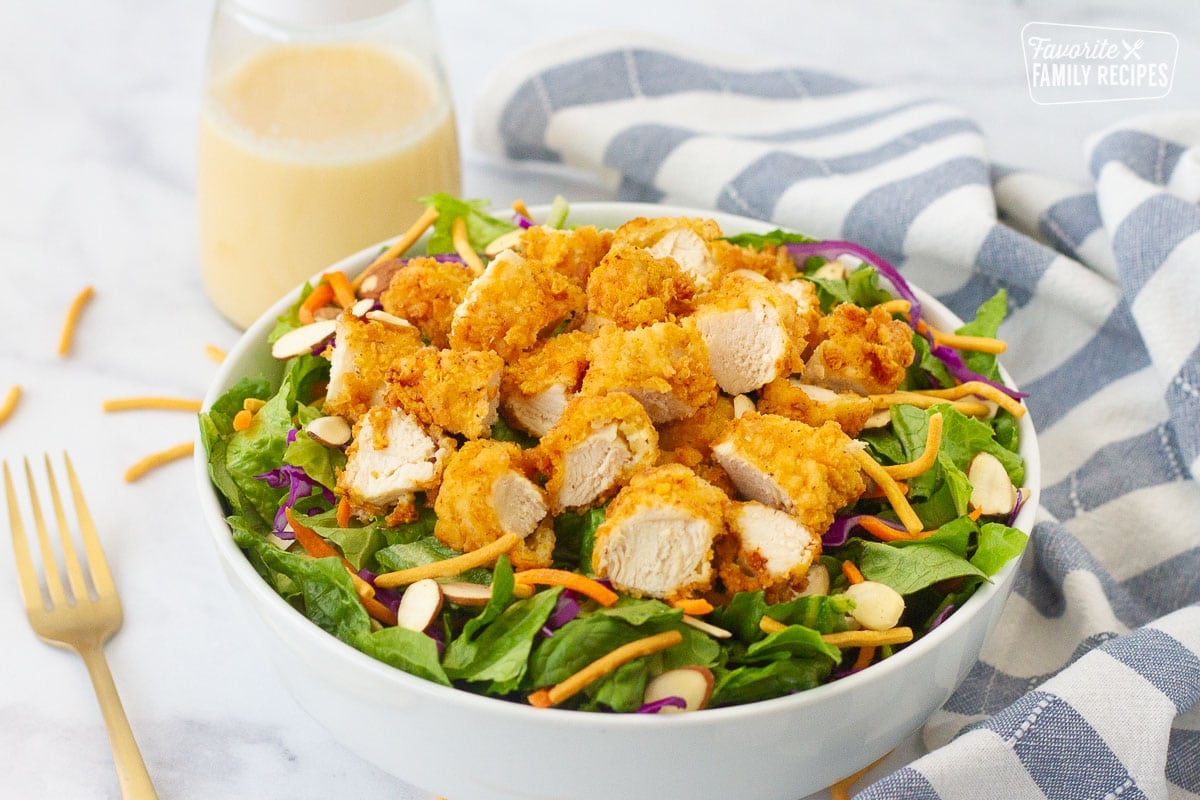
(998, 544)
(481, 227)
(773, 238)
(912, 568)
(987, 321)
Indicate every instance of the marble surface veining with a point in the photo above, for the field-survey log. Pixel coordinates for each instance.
(98, 109)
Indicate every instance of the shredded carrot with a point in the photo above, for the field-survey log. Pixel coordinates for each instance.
(540, 699)
(609, 663)
(841, 789)
(886, 533)
(316, 546)
(343, 512)
(980, 389)
(68, 330)
(865, 656)
(896, 498)
(696, 606)
(896, 306)
(572, 580)
(975, 514)
(769, 625)
(866, 638)
(214, 353)
(970, 408)
(462, 246)
(933, 442)
(151, 403)
(319, 297)
(158, 459)
(10, 403)
(406, 240)
(852, 573)
(243, 420)
(519, 206)
(450, 566)
(341, 288)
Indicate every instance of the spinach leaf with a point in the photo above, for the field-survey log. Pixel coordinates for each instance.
(574, 535)
(775, 679)
(498, 656)
(503, 432)
(912, 568)
(773, 238)
(411, 651)
(794, 641)
(998, 544)
(822, 613)
(406, 555)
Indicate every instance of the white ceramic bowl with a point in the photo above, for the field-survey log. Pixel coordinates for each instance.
(466, 746)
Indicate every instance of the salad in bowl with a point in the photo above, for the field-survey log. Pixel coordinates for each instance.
(653, 466)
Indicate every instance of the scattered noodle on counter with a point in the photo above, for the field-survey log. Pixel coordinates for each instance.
(68, 329)
(214, 353)
(158, 459)
(10, 403)
(841, 789)
(152, 403)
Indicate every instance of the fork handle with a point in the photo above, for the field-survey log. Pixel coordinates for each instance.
(131, 770)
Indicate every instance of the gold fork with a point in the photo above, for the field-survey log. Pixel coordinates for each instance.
(82, 621)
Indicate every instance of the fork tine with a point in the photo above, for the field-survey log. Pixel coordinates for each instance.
(49, 563)
(101, 577)
(74, 572)
(26, 572)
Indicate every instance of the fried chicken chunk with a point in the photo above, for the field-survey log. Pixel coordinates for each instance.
(657, 537)
(537, 386)
(572, 254)
(425, 292)
(456, 390)
(513, 304)
(860, 351)
(391, 457)
(664, 366)
(764, 548)
(685, 240)
(362, 354)
(815, 405)
(597, 446)
(486, 492)
(632, 288)
(798, 468)
(773, 263)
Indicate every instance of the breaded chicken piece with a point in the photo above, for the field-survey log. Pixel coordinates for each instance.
(808, 307)
(764, 548)
(632, 288)
(798, 468)
(860, 351)
(657, 537)
(815, 405)
(698, 431)
(595, 448)
(753, 332)
(702, 464)
(457, 390)
(425, 292)
(573, 253)
(485, 493)
(362, 353)
(535, 550)
(513, 304)
(537, 386)
(686, 240)
(664, 366)
(774, 263)
(390, 458)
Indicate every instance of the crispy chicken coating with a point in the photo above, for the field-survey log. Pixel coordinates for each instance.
(456, 390)
(390, 458)
(425, 292)
(815, 405)
(571, 253)
(808, 307)
(512, 304)
(597, 446)
(360, 359)
(632, 288)
(860, 351)
(774, 263)
(685, 240)
(485, 493)
(753, 331)
(698, 431)
(764, 548)
(537, 386)
(798, 468)
(664, 366)
(657, 537)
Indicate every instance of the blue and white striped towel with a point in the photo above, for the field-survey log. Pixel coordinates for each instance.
(1085, 688)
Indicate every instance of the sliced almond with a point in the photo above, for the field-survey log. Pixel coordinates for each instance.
(706, 627)
(330, 431)
(817, 393)
(831, 271)
(992, 491)
(880, 419)
(464, 593)
(742, 404)
(503, 242)
(420, 605)
(818, 581)
(328, 312)
(388, 319)
(693, 684)
(302, 340)
(362, 307)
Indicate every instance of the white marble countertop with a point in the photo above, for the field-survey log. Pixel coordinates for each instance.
(99, 102)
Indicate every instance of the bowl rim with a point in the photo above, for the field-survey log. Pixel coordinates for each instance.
(269, 602)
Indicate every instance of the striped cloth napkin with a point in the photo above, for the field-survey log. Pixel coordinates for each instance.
(1089, 686)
